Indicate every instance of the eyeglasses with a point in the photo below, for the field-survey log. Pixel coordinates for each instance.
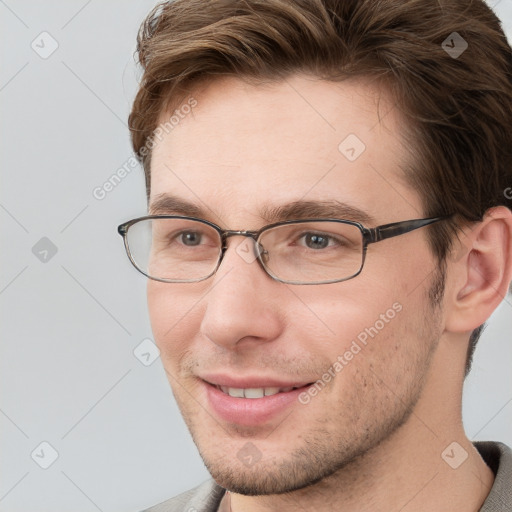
(176, 249)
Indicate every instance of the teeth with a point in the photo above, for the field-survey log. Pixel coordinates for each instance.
(253, 392)
(234, 392)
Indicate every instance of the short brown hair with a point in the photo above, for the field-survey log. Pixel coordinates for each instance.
(458, 107)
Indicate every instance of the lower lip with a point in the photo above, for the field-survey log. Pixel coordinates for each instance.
(250, 411)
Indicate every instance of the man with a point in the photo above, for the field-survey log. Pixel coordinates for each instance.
(329, 228)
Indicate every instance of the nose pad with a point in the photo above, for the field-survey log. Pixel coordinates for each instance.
(261, 252)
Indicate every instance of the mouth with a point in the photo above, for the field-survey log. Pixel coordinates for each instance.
(251, 402)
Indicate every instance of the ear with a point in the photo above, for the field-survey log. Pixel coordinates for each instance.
(480, 276)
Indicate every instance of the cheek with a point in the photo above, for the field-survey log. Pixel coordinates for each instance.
(360, 326)
(342, 311)
(379, 361)
(175, 316)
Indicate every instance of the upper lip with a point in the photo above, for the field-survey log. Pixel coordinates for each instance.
(251, 382)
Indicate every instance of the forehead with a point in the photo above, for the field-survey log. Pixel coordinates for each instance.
(302, 138)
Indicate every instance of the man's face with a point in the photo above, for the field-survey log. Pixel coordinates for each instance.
(245, 148)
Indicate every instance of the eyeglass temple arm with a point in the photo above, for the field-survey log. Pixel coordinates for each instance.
(399, 228)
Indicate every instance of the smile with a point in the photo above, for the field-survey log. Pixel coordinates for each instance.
(251, 403)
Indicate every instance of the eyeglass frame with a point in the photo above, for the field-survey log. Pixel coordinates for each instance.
(369, 236)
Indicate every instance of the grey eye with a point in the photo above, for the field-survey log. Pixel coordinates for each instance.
(191, 238)
(315, 241)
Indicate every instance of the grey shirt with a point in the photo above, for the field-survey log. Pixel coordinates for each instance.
(207, 496)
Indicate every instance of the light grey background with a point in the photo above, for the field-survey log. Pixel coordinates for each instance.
(71, 322)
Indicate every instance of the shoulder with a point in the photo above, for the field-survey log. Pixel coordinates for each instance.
(498, 457)
(203, 498)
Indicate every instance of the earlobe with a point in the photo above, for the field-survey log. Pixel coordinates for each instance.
(484, 272)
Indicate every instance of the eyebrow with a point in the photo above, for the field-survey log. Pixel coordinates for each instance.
(315, 209)
(166, 204)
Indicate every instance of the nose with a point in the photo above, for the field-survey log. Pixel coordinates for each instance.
(241, 306)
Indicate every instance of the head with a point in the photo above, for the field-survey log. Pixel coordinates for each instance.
(264, 96)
